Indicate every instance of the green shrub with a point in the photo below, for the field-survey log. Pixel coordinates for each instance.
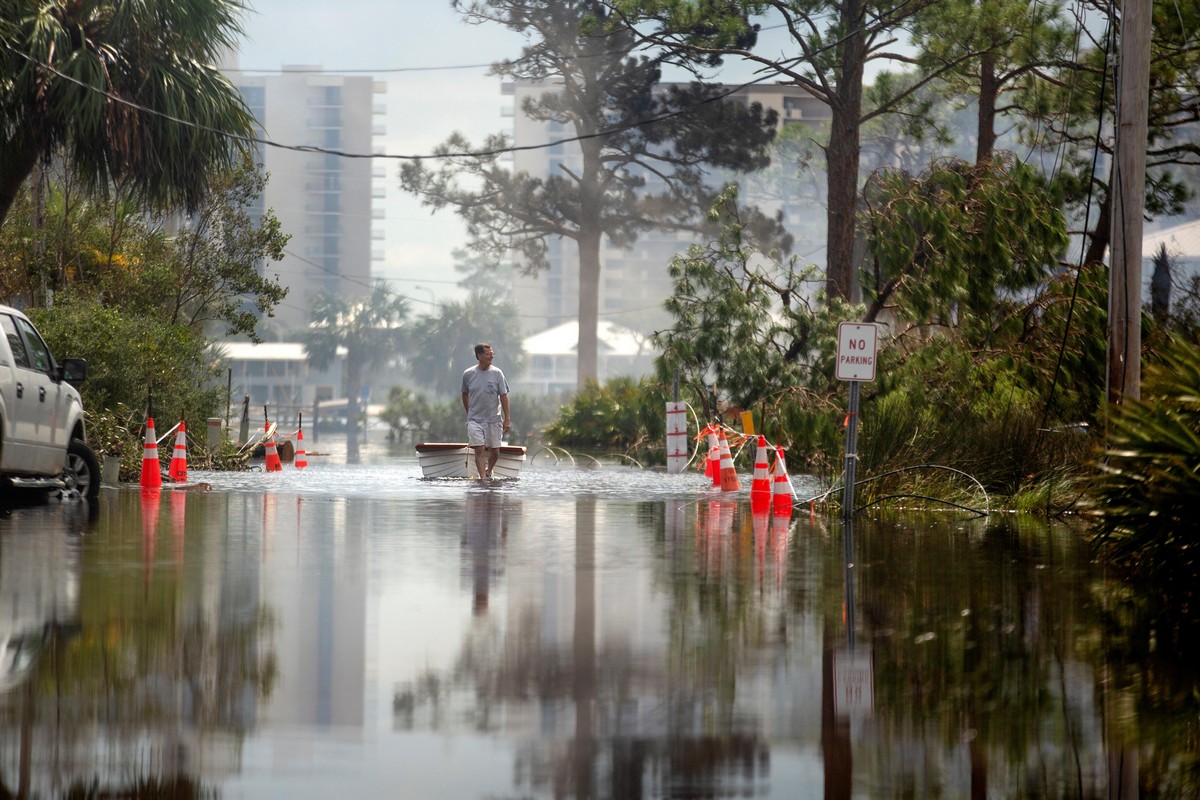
(1147, 492)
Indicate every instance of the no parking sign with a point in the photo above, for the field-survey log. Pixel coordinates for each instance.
(857, 343)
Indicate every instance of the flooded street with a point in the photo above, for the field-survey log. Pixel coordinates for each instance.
(355, 631)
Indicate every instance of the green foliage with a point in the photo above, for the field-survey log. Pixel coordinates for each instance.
(133, 361)
(972, 411)
(406, 413)
(443, 344)
(371, 332)
(103, 84)
(1148, 489)
(742, 320)
(947, 246)
(213, 276)
(623, 415)
(746, 336)
(108, 248)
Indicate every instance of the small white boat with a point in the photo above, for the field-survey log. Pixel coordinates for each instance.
(457, 460)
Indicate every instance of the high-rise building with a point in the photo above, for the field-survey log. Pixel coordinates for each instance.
(321, 198)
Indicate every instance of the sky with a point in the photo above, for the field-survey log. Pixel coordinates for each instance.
(410, 45)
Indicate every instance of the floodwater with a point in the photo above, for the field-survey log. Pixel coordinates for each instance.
(357, 632)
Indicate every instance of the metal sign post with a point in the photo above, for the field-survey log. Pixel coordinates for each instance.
(851, 453)
(857, 346)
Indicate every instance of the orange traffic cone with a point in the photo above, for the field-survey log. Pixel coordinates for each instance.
(301, 459)
(151, 469)
(713, 467)
(714, 455)
(273, 462)
(177, 471)
(781, 498)
(729, 478)
(760, 485)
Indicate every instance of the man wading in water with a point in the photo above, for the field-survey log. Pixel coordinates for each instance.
(485, 399)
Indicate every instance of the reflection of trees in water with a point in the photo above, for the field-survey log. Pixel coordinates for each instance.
(1152, 697)
(150, 677)
(980, 645)
(602, 718)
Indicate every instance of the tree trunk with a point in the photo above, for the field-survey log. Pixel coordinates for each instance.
(1098, 242)
(842, 155)
(15, 168)
(589, 307)
(989, 92)
(837, 754)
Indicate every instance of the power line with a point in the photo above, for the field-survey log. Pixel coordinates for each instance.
(457, 154)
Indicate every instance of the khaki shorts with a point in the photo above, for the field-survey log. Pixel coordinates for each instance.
(480, 434)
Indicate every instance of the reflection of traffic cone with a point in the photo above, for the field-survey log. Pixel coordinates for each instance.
(729, 478)
(177, 471)
(301, 460)
(780, 528)
(781, 499)
(273, 463)
(760, 524)
(150, 502)
(151, 469)
(760, 485)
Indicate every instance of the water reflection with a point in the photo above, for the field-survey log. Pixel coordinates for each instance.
(485, 529)
(477, 642)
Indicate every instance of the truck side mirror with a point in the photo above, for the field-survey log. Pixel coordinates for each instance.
(74, 370)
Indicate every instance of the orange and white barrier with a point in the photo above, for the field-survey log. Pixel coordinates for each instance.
(273, 463)
(713, 465)
(728, 476)
(301, 459)
(781, 497)
(177, 471)
(151, 468)
(760, 484)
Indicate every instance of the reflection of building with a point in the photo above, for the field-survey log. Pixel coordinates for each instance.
(317, 585)
(323, 200)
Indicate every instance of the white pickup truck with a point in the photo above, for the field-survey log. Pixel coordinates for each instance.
(41, 416)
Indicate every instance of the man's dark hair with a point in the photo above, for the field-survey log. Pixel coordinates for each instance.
(479, 348)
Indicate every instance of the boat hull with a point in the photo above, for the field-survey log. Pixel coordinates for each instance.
(457, 460)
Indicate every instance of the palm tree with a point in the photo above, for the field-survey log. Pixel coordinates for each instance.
(126, 93)
(444, 342)
(370, 330)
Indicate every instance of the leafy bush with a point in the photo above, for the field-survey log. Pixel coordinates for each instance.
(1148, 488)
(973, 412)
(134, 362)
(622, 415)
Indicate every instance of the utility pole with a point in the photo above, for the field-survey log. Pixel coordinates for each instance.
(1128, 190)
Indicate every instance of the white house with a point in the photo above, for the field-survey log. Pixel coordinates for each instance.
(553, 357)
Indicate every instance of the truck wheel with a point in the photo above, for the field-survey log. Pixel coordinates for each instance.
(82, 470)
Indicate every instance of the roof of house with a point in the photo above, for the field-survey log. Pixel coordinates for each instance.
(1181, 240)
(613, 340)
(268, 351)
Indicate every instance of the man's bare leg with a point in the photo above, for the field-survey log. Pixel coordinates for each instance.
(493, 457)
(479, 462)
